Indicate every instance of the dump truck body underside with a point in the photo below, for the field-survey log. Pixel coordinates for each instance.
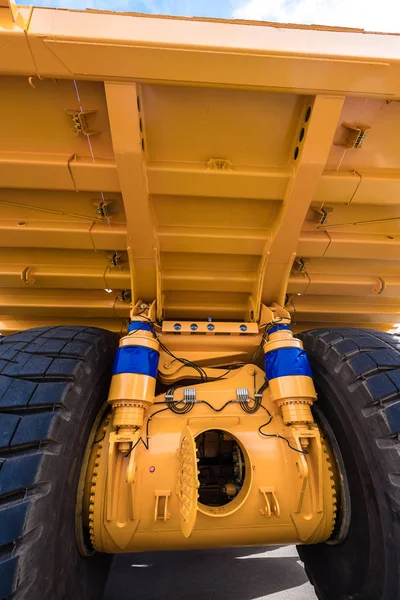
(197, 186)
(210, 166)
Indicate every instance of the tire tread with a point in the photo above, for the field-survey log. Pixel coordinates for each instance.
(368, 363)
(42, 372)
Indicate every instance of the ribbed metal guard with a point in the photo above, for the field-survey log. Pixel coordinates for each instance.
(188, 482)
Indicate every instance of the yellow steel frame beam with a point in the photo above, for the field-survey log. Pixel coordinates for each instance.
(363, 187)
(125, 51)
(10, 325)
(52, 172)
(306, 61)
(84, 235)
(182, 180)
(57, 173)
(66, 268)
(337, 244)
(62, 303)
(127, 127)
(310, 153)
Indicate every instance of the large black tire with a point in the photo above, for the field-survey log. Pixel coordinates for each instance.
(357, 376)
(53, 382)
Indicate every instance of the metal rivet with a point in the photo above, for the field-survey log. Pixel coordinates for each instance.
(243, 328)
(210, 327)
(152, 469)
(193, 327)
(177, 326)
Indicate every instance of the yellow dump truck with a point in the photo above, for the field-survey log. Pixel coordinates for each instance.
(199, 297)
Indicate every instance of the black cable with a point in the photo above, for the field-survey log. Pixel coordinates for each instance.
(141, 328)
(209, 379)
(204, 378)
(168, 407)
(146, 443)
(250, 410)
(257, 352)
(186, 362)
(263, 387)
(201, 371)
(213, 407)
(173, 404)
(229, 369)
(280, 437)
(265, 333)
(134, 446)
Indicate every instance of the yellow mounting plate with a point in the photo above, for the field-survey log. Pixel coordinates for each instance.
(188, 482)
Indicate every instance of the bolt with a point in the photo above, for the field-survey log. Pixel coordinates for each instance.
(167, 365)
(124, 446)
(143, 305)
(251, 371)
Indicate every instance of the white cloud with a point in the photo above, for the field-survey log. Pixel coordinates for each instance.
(372, 15)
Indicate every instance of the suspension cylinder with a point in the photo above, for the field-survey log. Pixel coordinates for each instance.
(134, 376)
(289, 375)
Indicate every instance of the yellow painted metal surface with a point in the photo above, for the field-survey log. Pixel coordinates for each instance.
(219, 458)
(286, 496)
(209, 165)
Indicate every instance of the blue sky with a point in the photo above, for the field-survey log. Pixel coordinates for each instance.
(372, 15)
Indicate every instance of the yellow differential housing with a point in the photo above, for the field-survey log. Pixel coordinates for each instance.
(214, 464)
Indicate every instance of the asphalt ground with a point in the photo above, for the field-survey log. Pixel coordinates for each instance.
(273, 573)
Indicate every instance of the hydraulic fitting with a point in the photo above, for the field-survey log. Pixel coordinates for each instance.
(288, 373)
